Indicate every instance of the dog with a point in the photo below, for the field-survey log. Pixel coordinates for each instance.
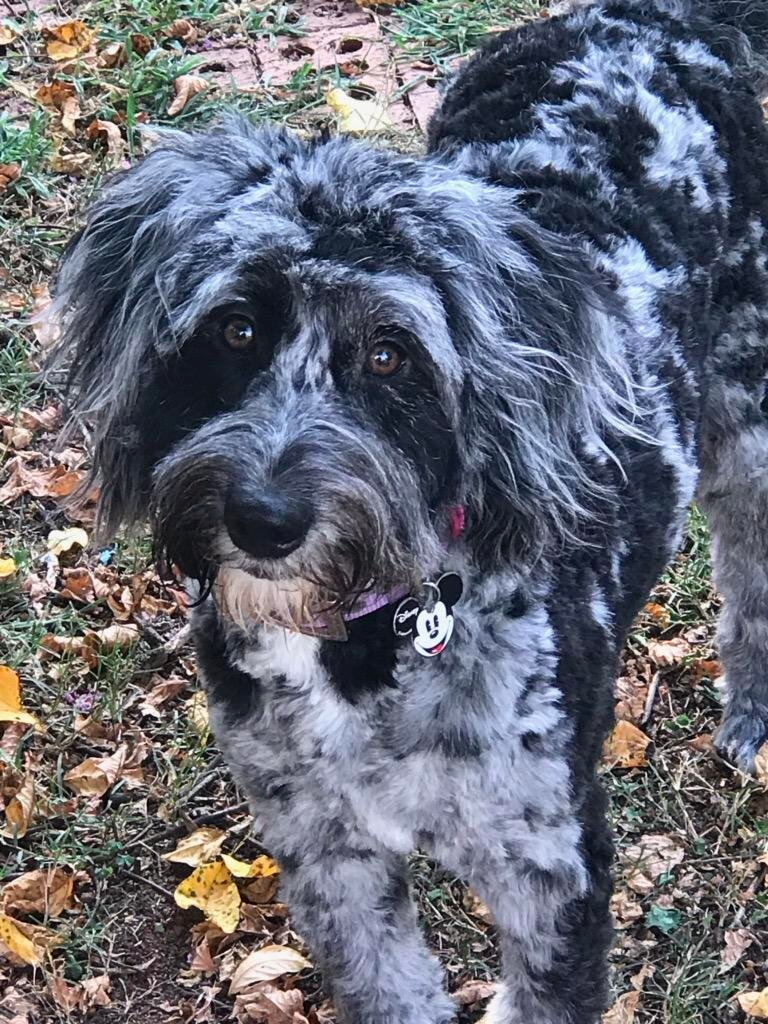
(422, 434)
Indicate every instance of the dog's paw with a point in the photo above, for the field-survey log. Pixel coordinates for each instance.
(742, 732)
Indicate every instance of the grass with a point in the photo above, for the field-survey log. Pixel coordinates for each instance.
(116, 840)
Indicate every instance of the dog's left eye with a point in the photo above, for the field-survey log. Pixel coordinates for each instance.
(383, 360)
(239, 333)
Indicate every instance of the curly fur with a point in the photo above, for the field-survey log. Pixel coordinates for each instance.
(578, 274)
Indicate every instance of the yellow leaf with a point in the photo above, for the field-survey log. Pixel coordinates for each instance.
(357, 115)
(7, 33)
(197, 712)
(15, 936)
(10, 700)
(261, 867)
(60, 541)
(7, 568)
(755, 1004)
(266, 964)
(200, 846)
(625, 747)
(210, 888)
(67, 41)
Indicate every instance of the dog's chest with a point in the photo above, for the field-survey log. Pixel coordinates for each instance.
(473, 738)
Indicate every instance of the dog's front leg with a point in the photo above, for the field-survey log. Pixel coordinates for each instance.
(350, 901)
(553, 920)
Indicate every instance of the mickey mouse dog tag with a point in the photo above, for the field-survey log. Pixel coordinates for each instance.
(430, 625)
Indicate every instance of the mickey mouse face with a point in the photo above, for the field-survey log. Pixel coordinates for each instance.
(430, 628)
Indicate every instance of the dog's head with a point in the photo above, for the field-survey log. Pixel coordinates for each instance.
(297, 356)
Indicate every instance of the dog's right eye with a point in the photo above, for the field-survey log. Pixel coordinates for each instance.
(239, 333)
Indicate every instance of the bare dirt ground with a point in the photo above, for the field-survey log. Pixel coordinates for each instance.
(120, 767)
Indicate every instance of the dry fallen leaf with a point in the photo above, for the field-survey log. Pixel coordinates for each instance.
(625, 747)
(266, 964)
(10, 699)
(646, 860)
(658, 613)
(160, 693)
(27, 942)
(210, 888)
(761, 765)
(754, 1004)
(95, 775)
(7, 33)
(44, 891)
(108, 134)
(8, 174)
(19, 807)
(705, 668)
(736, 943)
(68, 40)
(51, 482)
(668, 652)
(261, 867)
(60, 541)
(357, 115)
(197, 712)
(7, 568)
(198, 847)
(625, 910)
(472, 992)
(60, 96)
(184, 88)
(623, 1010)
(270, 1005)
(183, 30)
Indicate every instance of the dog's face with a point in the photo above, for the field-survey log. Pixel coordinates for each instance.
(297, 356)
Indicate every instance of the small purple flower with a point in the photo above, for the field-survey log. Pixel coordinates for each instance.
(84, 703)
(207, 43)
(70, 697)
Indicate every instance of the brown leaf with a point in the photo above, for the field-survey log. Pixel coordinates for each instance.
(623, 1010)
(625, 910)
(761, 765)
(185, 87)
(666, 653)
(736, 943)
(7, 34)
(625, 747)
(19, 807)
(8, 174)
(472, 992)
(51, 482)
(140, 44)
(107, 134)
(270, 1005)
(704, 668)
(44, 891)
(68, 40)
(95, 775)
(46, 419)
(75, 164)
(82, 996)
(658, 613)
(60, 96)
(112, 56)
(183, 30)
(645, 861)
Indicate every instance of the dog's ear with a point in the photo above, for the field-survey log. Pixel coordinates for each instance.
(130, 284)
(108, 297)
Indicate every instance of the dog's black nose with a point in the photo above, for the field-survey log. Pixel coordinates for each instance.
(267, 526)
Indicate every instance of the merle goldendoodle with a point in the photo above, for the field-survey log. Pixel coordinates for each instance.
(424, 433)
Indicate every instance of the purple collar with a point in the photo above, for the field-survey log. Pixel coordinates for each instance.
(332, 626)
